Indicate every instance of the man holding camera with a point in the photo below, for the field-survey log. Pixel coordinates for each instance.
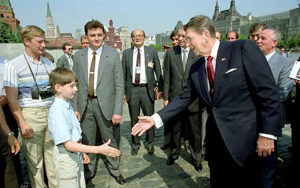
(26, 82)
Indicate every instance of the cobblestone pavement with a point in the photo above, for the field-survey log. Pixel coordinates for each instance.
(145, 171)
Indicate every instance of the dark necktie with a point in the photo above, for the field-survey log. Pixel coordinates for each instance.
(210, 74)
(138, 67)
(92, 76)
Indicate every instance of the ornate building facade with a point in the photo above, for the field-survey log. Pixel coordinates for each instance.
(113, 39)
(7, 14)
(287, 22)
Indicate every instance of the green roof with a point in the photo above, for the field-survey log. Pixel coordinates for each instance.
(48, 10)
(6, 3)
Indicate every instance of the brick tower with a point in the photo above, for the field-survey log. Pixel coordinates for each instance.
(7, 14)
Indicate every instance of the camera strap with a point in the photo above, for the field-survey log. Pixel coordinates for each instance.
(33, 74)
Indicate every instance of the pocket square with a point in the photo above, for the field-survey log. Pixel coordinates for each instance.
(231, 70)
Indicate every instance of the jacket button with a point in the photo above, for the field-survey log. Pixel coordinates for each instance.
(214, 108)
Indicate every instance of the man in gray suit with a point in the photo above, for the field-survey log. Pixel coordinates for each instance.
(98, 103)
(177, 65)
(139, 65)
(281, 67)
(66, 60)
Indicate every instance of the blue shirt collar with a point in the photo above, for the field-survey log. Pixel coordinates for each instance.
(62, 102)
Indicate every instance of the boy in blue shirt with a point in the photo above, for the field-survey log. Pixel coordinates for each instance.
(66, 133)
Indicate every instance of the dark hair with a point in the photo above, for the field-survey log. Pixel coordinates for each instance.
(257, 26)
(65, 44)
(236, 34)
(93, 24)
(201, 23)
(173, 34)
(61, 76)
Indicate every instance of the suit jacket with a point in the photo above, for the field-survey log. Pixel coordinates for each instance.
(110, 84)
(64, 62)
(150, 56)
(281, 67)
(245, 101)
(175, 77)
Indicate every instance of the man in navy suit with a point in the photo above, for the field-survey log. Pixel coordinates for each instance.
(236, 85)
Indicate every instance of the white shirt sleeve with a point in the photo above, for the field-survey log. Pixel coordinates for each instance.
(158, 122)
(268, 136)
(10, 76)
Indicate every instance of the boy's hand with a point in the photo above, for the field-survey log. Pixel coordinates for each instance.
(105, 149)
(85, 158)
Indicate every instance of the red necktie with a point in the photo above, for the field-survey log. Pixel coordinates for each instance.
(210, 74)
(138, 66)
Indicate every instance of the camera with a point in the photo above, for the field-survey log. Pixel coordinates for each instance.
(44, 93)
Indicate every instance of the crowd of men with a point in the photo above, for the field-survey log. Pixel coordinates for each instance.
(224, 99)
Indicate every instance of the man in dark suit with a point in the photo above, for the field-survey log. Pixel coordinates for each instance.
(98, 103)
(66, 60)
(237, 87)
(177, 65)
(140, 66)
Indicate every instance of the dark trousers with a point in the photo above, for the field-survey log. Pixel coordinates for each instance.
(93, 121)
(268, 168)
(194, 128)
(140, 99)
(8, 176)
(11, 122)
(224, 172)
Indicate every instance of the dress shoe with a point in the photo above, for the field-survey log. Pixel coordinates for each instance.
(164, 147)
(134, 151)
(151, 150)
(198, 167)
(119, 179)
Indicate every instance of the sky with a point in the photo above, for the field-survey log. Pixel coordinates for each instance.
(153, 16)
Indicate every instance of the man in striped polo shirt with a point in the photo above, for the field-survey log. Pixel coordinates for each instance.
(26, 79)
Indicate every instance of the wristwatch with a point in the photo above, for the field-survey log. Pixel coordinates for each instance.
(11, 134)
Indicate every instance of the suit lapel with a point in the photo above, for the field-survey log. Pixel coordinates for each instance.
(147, 59)
(201, 81)
(102, 62)
(178, 59)
(130, 60)
(223, 56)
(190, 61)
(84, 63)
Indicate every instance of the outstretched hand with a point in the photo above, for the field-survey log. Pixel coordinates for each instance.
(107, 150)
(143, 125)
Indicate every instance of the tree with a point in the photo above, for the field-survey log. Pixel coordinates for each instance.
(7, 35)
(158, 47)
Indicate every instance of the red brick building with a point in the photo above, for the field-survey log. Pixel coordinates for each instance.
(112, 39)
(7, 14)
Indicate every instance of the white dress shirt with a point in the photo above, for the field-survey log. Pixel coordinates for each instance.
(70, 61)
(143, 78)
(90, 57)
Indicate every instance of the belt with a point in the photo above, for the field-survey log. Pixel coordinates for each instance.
(139, 85)
(92, 97)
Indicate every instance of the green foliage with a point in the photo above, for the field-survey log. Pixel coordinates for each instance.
(243, 37)
(158, 47)
(7, 35)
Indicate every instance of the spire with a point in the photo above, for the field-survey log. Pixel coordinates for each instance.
(6, 4)
(48, 10)
(216, 13)
(232, 6)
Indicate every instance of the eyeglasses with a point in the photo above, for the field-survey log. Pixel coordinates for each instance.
(136, 36)
(69, 49)
(84, 43)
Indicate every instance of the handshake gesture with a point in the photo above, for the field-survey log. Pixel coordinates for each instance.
(142, 125)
